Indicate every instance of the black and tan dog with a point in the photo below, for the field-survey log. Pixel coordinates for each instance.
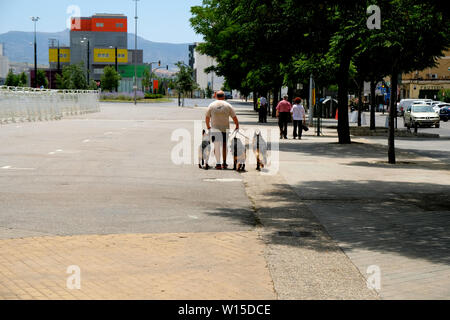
(239, 152)
(260, 150)
(204, 151)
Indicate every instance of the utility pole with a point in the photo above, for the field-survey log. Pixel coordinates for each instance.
(88, 59)
(135, 53)
(35, 20)
(310, 118)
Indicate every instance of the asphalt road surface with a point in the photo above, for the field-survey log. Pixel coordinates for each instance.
(112, 172)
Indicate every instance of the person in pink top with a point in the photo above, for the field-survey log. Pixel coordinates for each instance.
(284, 116)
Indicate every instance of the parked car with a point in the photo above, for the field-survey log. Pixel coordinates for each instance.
(405, 103)
(422, 115)
(228, 95)
(444, 112)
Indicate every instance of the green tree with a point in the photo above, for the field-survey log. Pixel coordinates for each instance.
(110, 79)
(23, 80)
(12, 80)
(444, 95)
(73, 77)
(414, 35)
(184, 81)
(41, 79)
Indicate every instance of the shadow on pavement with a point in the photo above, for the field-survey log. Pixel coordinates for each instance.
(409, 219)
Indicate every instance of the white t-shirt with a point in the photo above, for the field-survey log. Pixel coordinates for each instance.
(220, 112)
(298, 112)
(263, 101)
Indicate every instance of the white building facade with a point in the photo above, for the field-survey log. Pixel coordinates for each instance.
(4, 63)
(199, 62)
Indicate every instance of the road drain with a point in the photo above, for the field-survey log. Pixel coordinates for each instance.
(295, 234)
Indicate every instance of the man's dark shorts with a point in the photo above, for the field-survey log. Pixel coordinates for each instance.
(219, 136)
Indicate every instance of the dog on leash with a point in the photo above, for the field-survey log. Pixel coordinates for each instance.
(204, 151)
(260, 150)
(239, 154)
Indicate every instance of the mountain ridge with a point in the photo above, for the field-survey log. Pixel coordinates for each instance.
(18, 47)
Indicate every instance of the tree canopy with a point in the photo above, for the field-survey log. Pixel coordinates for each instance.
(262, 45)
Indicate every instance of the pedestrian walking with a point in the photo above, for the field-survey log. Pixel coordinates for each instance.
(218, 122)
(258, 108)
(263, 109)
(284, 116)
(298, 117)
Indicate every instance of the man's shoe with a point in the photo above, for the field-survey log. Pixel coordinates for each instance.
(224, 166)
(218, 167)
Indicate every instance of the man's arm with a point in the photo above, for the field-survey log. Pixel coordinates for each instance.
(208, 123)
(236, 122)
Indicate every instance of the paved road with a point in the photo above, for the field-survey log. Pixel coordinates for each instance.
(57, 177)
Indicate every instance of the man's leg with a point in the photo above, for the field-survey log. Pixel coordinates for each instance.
(280, 125)
(224, 149)
(300, 129)
(285, 124)
(295, 129)
(216, 138)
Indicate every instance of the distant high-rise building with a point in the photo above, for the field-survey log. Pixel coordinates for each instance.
(4, 63)
(102, 33)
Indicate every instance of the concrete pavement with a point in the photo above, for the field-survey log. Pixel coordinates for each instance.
(101, 191)
(393, 217)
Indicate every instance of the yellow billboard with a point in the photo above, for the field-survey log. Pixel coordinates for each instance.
(106, 55)
(64, 55)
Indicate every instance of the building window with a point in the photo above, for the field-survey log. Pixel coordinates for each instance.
(119, 25)
(100, 25)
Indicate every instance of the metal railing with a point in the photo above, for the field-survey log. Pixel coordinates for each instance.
(19, 104)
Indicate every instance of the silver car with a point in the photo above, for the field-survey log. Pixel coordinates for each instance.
(421, 115)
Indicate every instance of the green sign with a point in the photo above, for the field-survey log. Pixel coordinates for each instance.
(127, 70)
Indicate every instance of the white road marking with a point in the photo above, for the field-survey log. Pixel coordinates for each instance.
(12, 168)
(59, 150)
(51, 153)
(193, 217)
(222, 180)
(86, 141)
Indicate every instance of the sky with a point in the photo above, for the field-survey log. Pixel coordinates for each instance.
(159, 20)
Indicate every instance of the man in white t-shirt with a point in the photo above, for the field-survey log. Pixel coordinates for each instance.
(298, 115)
(218, 122)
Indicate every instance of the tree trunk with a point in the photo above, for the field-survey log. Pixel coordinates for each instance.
(373, 102)
(360, 104)
(392, 112)
(291, 93)
(255, 100)
(343, 126)
(276, 94)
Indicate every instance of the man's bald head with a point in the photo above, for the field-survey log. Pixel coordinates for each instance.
(220, 95)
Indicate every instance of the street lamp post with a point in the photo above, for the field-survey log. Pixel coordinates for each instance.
(87, 64)
(135, 52)
(35, 20)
